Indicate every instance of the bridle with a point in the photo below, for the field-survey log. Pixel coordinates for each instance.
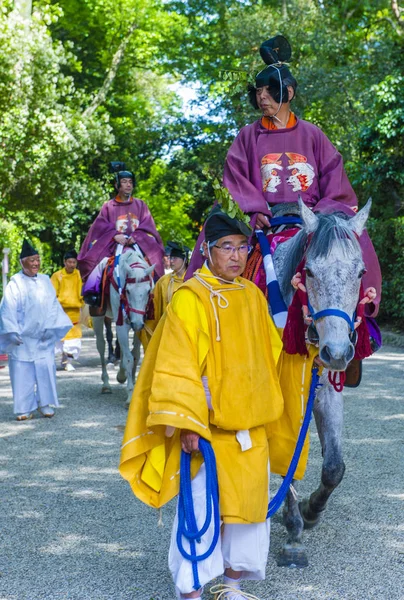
(124, 307)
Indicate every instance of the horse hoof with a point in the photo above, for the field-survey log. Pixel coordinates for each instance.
(304, 510)
(106, 390)
(293, 556)
(120, 378)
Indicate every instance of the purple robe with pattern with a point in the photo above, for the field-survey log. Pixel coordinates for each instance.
(267, 167)
(132, 218)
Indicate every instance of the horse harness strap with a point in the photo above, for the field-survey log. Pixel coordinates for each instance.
(124, 304)
(123, 295)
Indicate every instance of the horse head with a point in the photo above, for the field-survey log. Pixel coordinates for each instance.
(136, 279)
(334, 267)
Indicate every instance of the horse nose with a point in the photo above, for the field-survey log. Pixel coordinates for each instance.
(137, 324)
(337, 357)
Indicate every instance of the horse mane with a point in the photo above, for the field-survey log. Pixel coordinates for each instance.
(133, 255)
(333, 231)
(293, 257)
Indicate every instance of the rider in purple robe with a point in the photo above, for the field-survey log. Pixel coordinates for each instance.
(279, 157)
(122, 220)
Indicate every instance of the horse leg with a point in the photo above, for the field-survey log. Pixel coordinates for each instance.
(136, 354)
(98, 325)
(293, 553)
(108, 331)
(328, 412)
(122, 332)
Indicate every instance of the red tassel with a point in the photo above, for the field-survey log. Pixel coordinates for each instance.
(294, 341)
(293, 334)
(150, 308)
(363, 348)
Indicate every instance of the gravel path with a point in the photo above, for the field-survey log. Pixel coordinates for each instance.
(71, 528)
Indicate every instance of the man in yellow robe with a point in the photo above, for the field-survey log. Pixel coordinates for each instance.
(210, 371)
(67, 283)
(167, 285)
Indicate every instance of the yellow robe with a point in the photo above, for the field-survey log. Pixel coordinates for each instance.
(162, 295)
(245, 391)
(68, 292)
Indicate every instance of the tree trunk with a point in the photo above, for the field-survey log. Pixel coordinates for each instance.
(111, 74)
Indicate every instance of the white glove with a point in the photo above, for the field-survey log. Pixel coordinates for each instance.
(16, 339)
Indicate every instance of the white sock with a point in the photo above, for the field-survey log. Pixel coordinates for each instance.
(233, 582)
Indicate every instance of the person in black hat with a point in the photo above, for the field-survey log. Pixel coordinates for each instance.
(210, 372)
(67, 283)
(280, 157)
(123, 222)
(31, 321)
(166, 286)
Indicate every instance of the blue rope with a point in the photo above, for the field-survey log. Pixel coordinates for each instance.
(187, 526)
(280, 495)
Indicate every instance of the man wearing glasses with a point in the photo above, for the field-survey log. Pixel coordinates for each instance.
(210, 372)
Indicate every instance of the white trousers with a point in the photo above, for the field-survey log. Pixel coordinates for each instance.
(72, 346)
(241, 547)
(33, 383)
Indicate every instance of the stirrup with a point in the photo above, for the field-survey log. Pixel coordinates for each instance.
(221, 591)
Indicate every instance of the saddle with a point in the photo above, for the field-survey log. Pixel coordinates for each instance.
(99, 302)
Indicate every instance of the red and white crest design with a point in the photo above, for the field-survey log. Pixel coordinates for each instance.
(134, 221)
(270, 165)
(302, 173)
(121, 224)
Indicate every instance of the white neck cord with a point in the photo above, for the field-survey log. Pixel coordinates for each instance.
(222, 302)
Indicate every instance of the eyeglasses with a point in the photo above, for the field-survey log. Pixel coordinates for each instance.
(229, 249)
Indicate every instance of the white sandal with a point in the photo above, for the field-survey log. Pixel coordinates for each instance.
(25, 417)
(229, 592)
(46, 411)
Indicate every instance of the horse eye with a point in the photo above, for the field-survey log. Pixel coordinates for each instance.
(361, 273)
(308, 272)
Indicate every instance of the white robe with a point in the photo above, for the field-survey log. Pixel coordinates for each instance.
(30, 308)
(241, 547)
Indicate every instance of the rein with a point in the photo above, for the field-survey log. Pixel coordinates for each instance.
(187, 526)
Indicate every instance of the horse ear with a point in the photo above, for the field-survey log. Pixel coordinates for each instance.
(124, 257)
(150, 270)
(310, 220)
(357, 223)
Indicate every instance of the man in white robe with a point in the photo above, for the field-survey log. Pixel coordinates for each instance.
(31, 320)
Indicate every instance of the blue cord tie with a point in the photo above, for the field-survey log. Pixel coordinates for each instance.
(187, 526)
(280, 495)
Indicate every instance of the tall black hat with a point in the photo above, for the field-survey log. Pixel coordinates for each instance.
(70, 254)
(274, 53)
(219, 224)
(122, 174)
(178, 250)
(120, 171)
(27, 250)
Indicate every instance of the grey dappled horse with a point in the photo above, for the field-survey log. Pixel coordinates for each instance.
(136, 282)
(334, 267)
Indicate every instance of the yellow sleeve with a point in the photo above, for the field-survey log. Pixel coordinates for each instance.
(55, 279)
(187, 306)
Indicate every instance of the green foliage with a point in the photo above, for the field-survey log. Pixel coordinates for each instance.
(84, 82)
(225, 199)
(388, 239)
